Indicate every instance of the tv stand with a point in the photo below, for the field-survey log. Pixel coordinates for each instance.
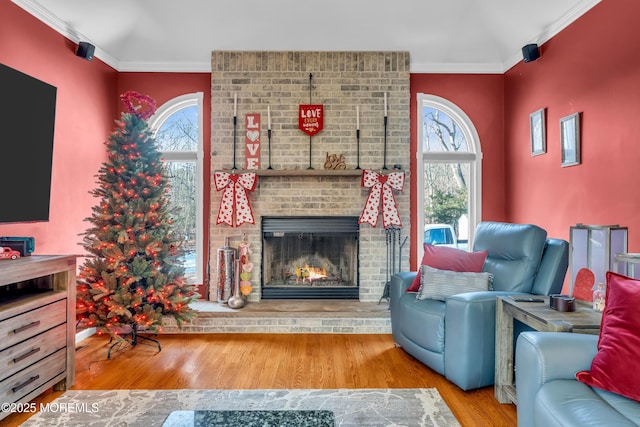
(37, 326)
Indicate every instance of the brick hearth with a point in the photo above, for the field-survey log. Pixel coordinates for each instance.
(272, 316)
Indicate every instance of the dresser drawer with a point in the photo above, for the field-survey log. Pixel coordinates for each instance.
(21, 355)
(24, 326)
(21, 384)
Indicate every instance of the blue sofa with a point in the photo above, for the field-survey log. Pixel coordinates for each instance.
(456, 337)
(549, 395)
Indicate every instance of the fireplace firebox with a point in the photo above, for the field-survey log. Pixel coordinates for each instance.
(310, 257)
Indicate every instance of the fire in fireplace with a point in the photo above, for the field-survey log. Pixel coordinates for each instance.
(310, 257)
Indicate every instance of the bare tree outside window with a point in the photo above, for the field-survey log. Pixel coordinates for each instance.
(446, 192)
(177, 139)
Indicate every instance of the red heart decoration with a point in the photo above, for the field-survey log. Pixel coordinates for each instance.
(145, 107)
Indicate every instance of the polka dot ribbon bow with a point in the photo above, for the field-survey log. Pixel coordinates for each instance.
(235, 208)
(381, 198)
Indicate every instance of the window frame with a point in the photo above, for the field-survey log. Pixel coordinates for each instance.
(473, 157)
(161, 115)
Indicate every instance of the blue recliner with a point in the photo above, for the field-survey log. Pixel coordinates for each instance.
(456, 337)
(549, 394)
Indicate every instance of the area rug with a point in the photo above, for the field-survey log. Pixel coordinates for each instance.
(351, 407)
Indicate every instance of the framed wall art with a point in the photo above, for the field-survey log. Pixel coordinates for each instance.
(570, 139)
(538, 133)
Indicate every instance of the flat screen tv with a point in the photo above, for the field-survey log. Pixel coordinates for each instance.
(27, 119)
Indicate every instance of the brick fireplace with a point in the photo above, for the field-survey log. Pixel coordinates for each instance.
(341, 81)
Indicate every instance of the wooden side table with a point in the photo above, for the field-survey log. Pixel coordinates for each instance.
(539, 316)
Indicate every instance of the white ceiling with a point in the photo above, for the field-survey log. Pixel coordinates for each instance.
(448, 36)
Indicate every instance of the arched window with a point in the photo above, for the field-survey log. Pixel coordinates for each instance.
(177, 127)
(449, 175)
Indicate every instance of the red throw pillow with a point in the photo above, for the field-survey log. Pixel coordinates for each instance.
(444, 258)
(616, 366)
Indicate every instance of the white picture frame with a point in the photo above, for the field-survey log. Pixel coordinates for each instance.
(570, 140)
(538, 132)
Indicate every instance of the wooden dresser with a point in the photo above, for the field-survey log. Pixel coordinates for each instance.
(37, 326)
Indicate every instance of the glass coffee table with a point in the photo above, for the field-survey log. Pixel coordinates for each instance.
(211, 418)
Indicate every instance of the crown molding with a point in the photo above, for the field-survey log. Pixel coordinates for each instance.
(474, 68)
(571, 16)
(456, 68)
(166, 67)
(49, 19)
(554, 29)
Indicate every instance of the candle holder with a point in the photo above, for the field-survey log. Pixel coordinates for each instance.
(310, 137)
(358, 150)
(269, 143)
(235, 122)
(384, 163)
(310, 167)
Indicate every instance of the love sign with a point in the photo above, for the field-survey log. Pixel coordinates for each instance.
(252, 139)
(311, 118)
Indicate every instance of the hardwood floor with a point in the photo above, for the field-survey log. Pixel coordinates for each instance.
(262, 361)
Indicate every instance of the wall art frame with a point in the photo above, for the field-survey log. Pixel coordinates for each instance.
(538, 132)
(570, 140)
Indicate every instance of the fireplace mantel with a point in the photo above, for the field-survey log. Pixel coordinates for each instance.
(305, 172)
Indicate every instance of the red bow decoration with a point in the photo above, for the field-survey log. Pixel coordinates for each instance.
(235, 208)
(381, 196)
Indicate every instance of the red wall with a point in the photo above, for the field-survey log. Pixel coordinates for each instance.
(481, 97)
(85, 111)
(591, 67)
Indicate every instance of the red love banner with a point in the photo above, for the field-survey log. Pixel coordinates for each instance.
(311, 118)
(252, 140)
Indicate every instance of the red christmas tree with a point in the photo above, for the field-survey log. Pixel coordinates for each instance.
(132, 276)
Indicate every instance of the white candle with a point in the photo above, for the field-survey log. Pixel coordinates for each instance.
(268, 117)
(385, 104)
(235, 104)
(357, 117)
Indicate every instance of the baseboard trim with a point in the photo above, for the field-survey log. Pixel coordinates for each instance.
(84, 334)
